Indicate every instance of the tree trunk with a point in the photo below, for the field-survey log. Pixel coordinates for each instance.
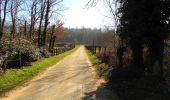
(156, 55)
(51, 38)
(25, 28)
(0, 15)
(33, 17)
(4, 18)
(46, 22)
(14, 11)
(40, 24)
(136, 46)
(53, 42)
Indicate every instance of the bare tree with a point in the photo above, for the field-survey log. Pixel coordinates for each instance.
(52, 39)
(112, 7)
(49, 11)
(0, 15)
(41, 20)
(34, 17)
(3, 3)
(46, 22)
(4, 18)
(14, 11)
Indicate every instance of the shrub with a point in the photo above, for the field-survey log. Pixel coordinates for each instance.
(44, 53)
(16, 48)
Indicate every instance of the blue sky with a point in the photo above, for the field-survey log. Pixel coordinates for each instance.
(77, 16)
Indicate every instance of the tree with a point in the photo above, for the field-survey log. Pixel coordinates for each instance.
(52, 39)
(14, 5)
(33, 15)
(57, 32)
(145, 22)
(47, 10)
(46, 22)
(142, 22)
(157, 30)
(3, 3)
(40, 23)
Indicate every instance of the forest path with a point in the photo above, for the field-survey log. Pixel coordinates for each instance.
(73, 78)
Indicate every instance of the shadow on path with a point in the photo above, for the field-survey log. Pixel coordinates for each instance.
(129, 87)
(102, 93)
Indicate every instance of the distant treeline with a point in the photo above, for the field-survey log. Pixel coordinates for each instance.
(90, 36)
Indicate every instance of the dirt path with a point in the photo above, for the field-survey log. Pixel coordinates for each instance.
(72, 78)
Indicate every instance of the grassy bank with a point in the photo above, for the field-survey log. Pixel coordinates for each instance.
(101, 68)
(13, 79)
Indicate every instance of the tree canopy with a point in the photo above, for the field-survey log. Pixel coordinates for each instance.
(143, 22)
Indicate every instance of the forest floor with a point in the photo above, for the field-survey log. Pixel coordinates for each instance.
(72, 78)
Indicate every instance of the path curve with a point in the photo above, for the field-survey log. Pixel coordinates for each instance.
(72, 78)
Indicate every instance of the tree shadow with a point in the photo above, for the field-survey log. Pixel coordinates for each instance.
(103, 92)
(129, 87)
(123, 85)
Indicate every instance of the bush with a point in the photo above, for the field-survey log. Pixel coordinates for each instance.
(16, 48)
(44, 53)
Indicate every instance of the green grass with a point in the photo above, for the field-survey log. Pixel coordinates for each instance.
(93, 58)
(101, 69)
(13, 79)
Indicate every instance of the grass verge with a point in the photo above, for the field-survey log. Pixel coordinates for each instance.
(13, 79)
(102, 69)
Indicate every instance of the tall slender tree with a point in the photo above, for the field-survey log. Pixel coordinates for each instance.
(3, 4)
(46, 22)
(41, 21)
(33, 16)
